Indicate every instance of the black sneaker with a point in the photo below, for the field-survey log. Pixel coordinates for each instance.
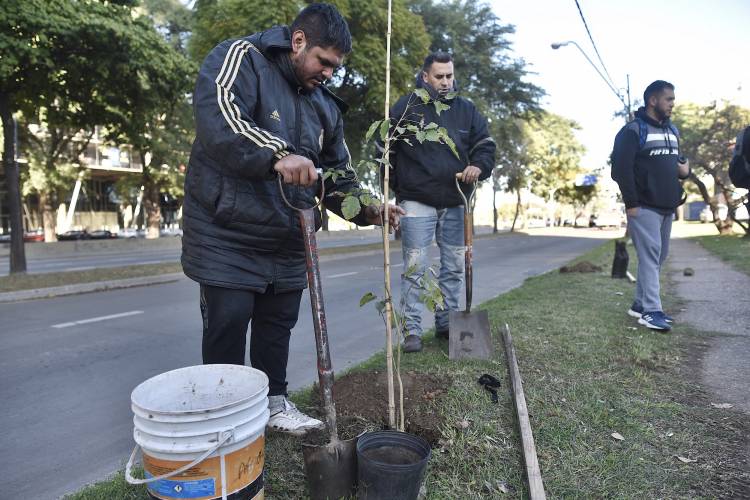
(441, 334)
(412, 343)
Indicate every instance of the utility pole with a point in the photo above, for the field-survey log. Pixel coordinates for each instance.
(13, 183)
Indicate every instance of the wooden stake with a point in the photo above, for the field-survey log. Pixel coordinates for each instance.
(533, 473)
(386, 241)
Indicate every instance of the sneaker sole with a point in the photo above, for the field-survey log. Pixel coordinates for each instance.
(651, 326)
(294, 432)
(634, 314)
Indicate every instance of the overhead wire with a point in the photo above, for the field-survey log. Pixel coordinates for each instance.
(585, 25)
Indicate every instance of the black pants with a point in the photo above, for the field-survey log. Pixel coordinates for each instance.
(226, 313)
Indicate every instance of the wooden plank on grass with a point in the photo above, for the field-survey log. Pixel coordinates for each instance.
(533, 473)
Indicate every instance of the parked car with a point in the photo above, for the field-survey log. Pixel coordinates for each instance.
(607, 219)
(35, 235)
(73, 235)
(5, 238)
(130, 232)
(102, 234)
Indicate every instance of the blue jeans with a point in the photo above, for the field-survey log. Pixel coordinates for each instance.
(421, 226)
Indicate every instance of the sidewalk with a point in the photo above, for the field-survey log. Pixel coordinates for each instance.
(717, 299)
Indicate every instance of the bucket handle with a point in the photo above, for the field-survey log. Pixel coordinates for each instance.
(129, 467)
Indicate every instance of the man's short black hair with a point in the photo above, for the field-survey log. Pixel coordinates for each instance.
(440, 57)
(324, 27)
(655, 88)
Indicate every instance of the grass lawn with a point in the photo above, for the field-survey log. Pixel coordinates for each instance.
(588, 372)
(732, 248)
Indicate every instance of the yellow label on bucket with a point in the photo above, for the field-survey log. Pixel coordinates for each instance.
(243, 468)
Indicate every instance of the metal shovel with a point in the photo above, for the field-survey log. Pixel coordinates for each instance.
(331, 469)
(468, 332)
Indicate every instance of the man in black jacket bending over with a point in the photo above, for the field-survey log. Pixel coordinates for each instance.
(647, 165)
(424, 179)
(261, 111)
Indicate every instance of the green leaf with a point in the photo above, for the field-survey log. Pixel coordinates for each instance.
(432, 135)
(447, 139)
(384, 129)
(350, 207)
(367, 298)
(431, 126)
(440, 107)
(423, 94)
(400, 130)
(380, 306)
(420, 136)
(373, 127)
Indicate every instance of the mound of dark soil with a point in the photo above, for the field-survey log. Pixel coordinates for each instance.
(581, 267)
(362, 403)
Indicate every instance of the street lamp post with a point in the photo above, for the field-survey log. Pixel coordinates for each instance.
(625, 105)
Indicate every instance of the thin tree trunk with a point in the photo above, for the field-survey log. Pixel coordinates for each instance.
(324, 217)
(494, 208)
(518, 208)
(13, 185)
(49, 215)
(386, 241)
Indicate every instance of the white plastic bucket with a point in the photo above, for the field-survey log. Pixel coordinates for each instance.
(201, 430)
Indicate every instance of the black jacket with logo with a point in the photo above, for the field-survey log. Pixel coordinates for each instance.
(249, 113)
(426, 172)
(644, 163)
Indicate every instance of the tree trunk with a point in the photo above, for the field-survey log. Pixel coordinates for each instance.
(518, 208)
(324, 217)
(494, 208)
(152, 208)
(13, 185)
(49, 216)
(709, 200)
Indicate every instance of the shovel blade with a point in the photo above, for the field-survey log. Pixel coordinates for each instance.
(331, 469)
(469, 335)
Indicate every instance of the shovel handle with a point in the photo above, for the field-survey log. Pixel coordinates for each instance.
(325, 370)
(299, 209)
(468, 240)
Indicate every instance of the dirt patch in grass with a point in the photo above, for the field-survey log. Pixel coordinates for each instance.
(581, 267)
(362, 398)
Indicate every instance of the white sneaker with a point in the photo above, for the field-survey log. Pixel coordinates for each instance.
(290, 420)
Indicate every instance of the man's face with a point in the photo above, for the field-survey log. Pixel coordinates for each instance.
(313, 66)
(440, 77)
(663, 103)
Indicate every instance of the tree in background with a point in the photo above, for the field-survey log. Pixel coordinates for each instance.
(554, 156)
(512, 172)
(707, 134)
(74, 69)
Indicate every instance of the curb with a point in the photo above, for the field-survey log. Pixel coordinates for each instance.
(94, 286)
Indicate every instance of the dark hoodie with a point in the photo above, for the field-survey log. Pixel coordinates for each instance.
(644, 163)
(250, 113)
(426, 172)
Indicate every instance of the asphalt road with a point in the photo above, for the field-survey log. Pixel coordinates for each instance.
(84, 260)
(68, 364)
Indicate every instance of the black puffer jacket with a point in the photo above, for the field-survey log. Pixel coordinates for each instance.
(238, 233)
(426, 172)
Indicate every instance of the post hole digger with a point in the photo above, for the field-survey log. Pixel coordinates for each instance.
(331, 469)
(468, 332)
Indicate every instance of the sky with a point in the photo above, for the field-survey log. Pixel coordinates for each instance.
(701, 46)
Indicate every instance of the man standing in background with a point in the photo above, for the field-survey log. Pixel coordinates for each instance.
(647, 165)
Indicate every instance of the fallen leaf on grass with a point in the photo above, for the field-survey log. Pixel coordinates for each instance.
(685, 460)
(618, 436)
(462, 424)
(619, 293)
(722, 406)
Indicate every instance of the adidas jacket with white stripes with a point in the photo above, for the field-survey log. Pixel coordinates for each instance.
(644, 163)
(238, 232)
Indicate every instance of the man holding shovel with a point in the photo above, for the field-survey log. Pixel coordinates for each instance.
(262, 111)
(424, 180)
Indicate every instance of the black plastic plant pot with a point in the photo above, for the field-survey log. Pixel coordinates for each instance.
(391, 465)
